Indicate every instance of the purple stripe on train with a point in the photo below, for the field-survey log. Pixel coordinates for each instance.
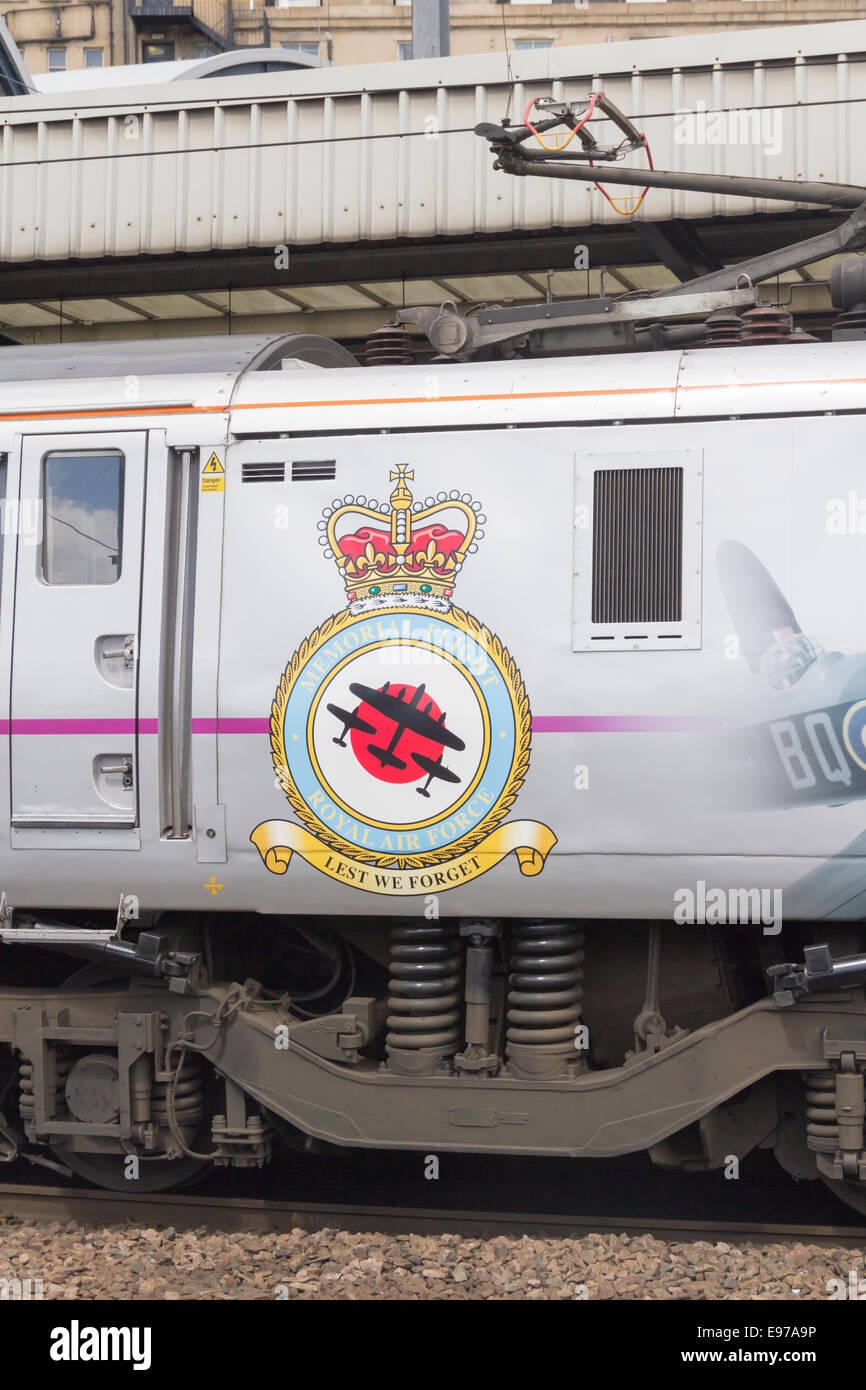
(541, 724)
(78, 726)
(231, 726)
(624, 724)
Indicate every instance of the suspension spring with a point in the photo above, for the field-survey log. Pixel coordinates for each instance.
(424, 996)
(822, 1127)
(187, 1092)
(545, 990)
(56, 1098)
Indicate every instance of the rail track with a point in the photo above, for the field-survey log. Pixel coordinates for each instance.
(93, 1207)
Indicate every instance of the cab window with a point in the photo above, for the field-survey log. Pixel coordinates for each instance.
(82, 538)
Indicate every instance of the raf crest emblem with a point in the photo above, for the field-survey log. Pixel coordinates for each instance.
(400, 729)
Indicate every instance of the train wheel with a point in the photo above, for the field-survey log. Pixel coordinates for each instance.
(109, 1170)
(154, 1175)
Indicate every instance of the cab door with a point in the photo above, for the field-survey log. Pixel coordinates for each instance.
(74, 704)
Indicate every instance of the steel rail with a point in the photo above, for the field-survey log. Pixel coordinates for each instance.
(25, 1202)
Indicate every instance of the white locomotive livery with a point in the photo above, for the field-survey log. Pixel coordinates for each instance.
(371, 818)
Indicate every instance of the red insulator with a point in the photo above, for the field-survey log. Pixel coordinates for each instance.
(850, 326)
(767, 324)
(388, 347)
(721, 329)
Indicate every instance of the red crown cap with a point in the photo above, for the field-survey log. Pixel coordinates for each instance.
(403, 552)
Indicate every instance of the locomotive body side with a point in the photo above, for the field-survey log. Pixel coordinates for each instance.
(438, 743)
(658, 759)
(635, 767)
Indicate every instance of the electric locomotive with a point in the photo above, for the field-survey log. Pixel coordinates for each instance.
(467, 755)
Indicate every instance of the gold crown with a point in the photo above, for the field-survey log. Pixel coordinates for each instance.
(404, 552)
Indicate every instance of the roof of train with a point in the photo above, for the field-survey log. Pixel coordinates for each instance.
(749, 380)
(206, 377)
(233, 353)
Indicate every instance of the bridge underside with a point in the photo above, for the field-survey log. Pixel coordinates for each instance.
(347, 291)
(323, 201)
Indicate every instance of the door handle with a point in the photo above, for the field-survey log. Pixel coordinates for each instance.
(124, 769)
(126, 653)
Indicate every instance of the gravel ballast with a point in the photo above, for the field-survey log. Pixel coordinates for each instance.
(131, 1262)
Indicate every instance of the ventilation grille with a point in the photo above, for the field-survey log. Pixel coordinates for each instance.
(312, 470)
(263, 472)
(637, 548)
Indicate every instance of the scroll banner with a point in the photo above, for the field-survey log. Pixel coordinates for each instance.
(277, 840)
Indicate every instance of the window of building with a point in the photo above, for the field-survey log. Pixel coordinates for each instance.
(404, 51)
(93, 57)
(57, 60)
(83, 529)
(299, 46)
(290, 4)
(533, 43)
(157, 52)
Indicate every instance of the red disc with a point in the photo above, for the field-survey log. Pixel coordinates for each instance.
(407, 744)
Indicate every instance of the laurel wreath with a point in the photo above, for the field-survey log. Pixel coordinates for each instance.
(523, 726)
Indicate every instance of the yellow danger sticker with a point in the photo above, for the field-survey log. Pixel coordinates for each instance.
(213, 475)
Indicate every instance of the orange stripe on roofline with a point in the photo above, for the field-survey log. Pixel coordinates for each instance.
(112, 412)
(550, 395)
(295, 405)
(817, 381)
(498, 396)
(123, 412)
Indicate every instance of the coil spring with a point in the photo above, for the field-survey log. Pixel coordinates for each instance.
(187, 1092)
(26, 1100)
(546, 983)
(822, 1128)
(424, 988)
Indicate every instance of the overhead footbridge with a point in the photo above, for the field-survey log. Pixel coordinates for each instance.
(324, 200)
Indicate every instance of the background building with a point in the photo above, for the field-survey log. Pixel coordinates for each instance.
(60, 35)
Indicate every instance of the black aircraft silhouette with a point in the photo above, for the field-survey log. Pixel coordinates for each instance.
(406, 714)
(433, 768)
(350, 721)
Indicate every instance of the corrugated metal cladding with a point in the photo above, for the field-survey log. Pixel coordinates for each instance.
(374, 153)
